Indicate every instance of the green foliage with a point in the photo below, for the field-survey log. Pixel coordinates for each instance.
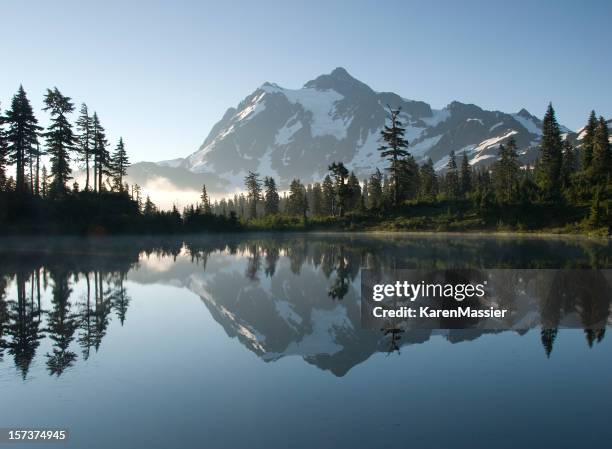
(21, 136)
(394, 149)
(506, 173)
(271, 198)
(252, 183)
(297, 205)
(549, 168)
(60, 139)
(119, 165)
(341, 192)
(452, 177)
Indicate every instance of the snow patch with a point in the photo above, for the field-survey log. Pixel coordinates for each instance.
(438, 116)
(528, 124)
(285, 134)
(322, 106)
(495, 126)
(419, 149)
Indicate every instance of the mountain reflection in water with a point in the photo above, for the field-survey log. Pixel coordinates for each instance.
(279, 295)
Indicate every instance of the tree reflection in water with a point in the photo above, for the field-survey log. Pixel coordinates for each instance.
(75, 324)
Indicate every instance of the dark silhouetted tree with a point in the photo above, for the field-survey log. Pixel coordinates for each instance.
(120, 163)
(60, 139)
(549, 168)
(271, 198)
(85, 138)
(394, 149)
(253, 187)
(21, 136)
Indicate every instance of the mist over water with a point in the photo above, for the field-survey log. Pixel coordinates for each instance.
(256, 341)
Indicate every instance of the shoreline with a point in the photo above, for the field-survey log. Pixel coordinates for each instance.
(279, 232)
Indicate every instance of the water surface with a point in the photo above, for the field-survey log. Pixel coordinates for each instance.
(255, 342)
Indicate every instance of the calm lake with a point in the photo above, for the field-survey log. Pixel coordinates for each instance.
(255, 341)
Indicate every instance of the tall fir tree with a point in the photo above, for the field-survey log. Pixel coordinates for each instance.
(120, 163)
(205, 201)
(550, 155)
(271, 197)
(84, 125)
(375, 190)
(21, 136)
(429, 181)
(316, 201)
(394, 149)
(452, 177)
(569, 165)
(328, 196)
(60, 139)
(252, 183)
(340, 173)
(44, 188)
(602, 159)
(101, 156)
(506, 173)
(353, 192)
(297, 203)
(465, 175)
(588, 140)
(3, 154)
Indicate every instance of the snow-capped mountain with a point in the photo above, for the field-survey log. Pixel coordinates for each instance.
(289, 133)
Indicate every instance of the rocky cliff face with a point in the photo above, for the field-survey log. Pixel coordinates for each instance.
(289, 133)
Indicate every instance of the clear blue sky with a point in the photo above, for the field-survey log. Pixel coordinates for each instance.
(162, 73)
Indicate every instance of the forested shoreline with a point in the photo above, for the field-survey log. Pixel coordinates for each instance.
(567, 190)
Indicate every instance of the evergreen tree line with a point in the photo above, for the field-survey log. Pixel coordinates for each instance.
(24, 144)
(562, 174)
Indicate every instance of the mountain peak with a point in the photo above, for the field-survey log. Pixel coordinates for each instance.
(339, 80)
(341, 73)
(524, 113)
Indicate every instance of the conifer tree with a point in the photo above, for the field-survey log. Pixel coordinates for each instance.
(429, 181)
(587, 141)
(316, 201)
(408, 178)
(60, 139)
(149, 208)
(329, 194)
(119, 163)
(271, 198)
(339, 173)
(205, 201)
(44, 189)
(465, 175)
(394, 149)
(353, 192)
(550, 155)
(452, 177)
(365, 196)
(84, 125)
(21, 136)
(569, 165)
(100, 154)
(595, 214)
(3, 154)
(297, 203)
(506, 173)
(375, 190)
(602, 159)
(253, 186)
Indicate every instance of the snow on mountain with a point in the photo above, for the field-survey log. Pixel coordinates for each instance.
(297, 133)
